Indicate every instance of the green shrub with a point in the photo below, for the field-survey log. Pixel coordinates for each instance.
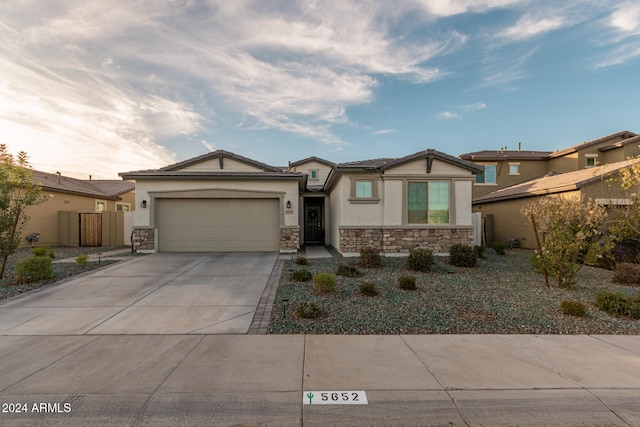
(301, 260)
(618, 304)
(573, 308)
(43, 250)
(33, 269)
(627, 273)
(301, 275)
(308, 310)
(82, 260)
(407, 283)
(462, 256)
(370, 257)
(420, 259)
(479, 250)
(348, 270)
(368, 289)
(324, 282)
(499, 247)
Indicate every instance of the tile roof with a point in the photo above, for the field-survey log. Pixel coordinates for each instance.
(110, 189)
(554, 183)
(311, 159)
(505, 155)
(625, 134)
(220, 153)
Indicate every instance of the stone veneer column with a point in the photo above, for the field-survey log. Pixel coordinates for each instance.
(143, 239)
(290, 238)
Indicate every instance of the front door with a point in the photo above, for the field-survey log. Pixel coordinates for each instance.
(313, 224)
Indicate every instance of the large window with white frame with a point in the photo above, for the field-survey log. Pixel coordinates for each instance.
(428, 202)
(488, 177)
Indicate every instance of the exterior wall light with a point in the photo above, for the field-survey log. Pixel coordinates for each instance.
(288, 204)
(143, 205)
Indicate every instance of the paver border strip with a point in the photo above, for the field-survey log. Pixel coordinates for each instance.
(262, 316)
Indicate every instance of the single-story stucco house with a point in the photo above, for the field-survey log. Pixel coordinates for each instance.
(221, 201)
(65, 218)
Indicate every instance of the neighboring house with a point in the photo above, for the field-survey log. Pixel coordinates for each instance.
(225, 202)
(512, 178)
(501, 209)
(57, 220)
(503, 168)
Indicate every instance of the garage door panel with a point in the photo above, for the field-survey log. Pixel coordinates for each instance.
(218, 224)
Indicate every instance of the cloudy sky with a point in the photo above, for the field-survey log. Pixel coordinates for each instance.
(101, 87)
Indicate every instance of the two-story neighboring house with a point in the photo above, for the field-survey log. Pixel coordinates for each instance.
(513, 179)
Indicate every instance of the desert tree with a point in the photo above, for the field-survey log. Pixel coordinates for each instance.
(17, 192)
(570, 227)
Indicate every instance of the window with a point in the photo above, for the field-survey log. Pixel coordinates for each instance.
(514, 168)
(313, 173)
(591, 160)
(364, 189)
(101, 206)
(126, 207)
(488, 176)
(428, 202)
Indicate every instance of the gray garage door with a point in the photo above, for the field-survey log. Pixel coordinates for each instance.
(200, 225)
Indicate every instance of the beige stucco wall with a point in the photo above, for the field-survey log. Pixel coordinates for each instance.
(144, 217)
(337, 205)
(419, 167)
(394, 198)
(462, 195)
(323, 172)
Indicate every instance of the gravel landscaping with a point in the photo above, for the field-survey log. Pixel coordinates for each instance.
(503, 295)
(8, 288)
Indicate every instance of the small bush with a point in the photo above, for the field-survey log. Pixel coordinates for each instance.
(407, 283)
(420, 259)
(370, 257)
(43, 250)
(368, 289)
(627, 273)
(301, 275)
(308, 310)
(462, 256)
(573, 308)
(33, 269)
(479, 250)
(301, 260)
(324, 282)
(499, 247)
(82, 260)
(348, 270)
(618, 304)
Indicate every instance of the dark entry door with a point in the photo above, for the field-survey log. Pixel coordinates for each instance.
(313, 224)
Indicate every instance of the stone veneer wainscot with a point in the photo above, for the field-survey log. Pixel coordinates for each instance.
(403, 239)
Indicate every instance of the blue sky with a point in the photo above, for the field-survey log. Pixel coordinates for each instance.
(101, 87)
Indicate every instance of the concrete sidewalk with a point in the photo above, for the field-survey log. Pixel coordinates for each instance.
(252, 380)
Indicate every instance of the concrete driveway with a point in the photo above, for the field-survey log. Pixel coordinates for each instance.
(166, 293)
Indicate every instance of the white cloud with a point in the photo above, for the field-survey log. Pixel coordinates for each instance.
(456, 7)
(474, 107)
(529, 26)
(626, 19)
(383, 131)
(449, 115)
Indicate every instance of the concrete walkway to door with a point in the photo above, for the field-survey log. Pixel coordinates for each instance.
(165, 293)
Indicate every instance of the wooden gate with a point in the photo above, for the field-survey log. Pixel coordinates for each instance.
(90, 229)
